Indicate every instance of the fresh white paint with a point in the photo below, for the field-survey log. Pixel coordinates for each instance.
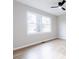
(21, 39)
(45, 5)
(61, 27)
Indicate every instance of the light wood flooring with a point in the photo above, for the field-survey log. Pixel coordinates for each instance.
(55, 49)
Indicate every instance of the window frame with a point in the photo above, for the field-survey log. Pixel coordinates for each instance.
(39, 29)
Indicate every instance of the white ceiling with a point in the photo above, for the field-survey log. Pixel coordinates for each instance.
(45, 5)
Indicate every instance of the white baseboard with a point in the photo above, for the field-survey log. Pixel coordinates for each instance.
(31, 44)
(62, 37)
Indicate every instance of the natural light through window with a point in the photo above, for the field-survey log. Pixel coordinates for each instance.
(38, 23)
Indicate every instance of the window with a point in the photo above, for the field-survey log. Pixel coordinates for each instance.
(38, 23)
(46, 24)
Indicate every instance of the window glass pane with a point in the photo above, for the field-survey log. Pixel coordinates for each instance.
(39, 23)
(46, 28)
(32, 28)
(31, 18)
(46, 20)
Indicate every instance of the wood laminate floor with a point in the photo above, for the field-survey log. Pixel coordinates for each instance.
(55, 49)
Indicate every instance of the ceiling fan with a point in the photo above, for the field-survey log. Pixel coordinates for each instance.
(60, 4)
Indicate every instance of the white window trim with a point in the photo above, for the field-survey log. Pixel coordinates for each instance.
(39, 30)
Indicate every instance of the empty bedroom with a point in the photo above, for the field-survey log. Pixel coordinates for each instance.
(39, 29)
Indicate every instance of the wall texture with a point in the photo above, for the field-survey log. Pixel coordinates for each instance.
(20, 37)
(61, 28)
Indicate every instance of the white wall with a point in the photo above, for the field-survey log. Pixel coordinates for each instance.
(61, 28)
(21, 39)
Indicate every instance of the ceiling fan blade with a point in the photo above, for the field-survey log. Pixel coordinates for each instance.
(54, 7)
(63, 8)
(61, 3)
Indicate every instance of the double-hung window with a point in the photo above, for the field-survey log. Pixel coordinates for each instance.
(38, 23)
